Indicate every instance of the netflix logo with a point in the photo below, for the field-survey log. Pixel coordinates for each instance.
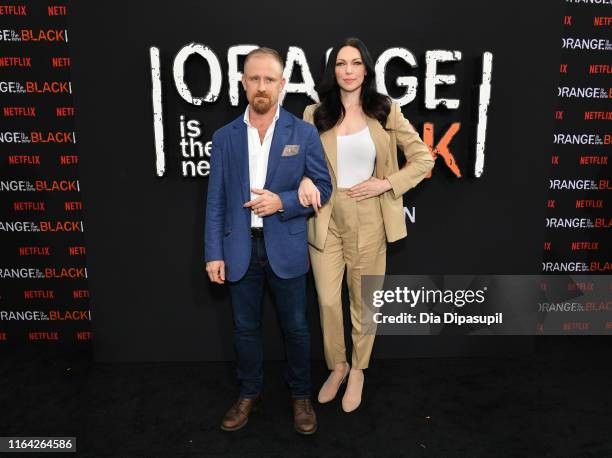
(34, 251)
(13, 10)
(29, 206)
(22, 159)
(602, 21)
(596, 69)
(73, 206)
(76, 250)
(60, 62)
(16, 62)
(589, 203)
(83, 335)
(68, 159)
(593, 160)
(19, 112)
(48, 294)
(57, 10)
(582, 246)
(80, 294)
(63, 112)
(598, 115)
(36, 335)
(580, 286)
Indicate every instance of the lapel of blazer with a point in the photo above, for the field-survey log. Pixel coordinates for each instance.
(330, 146)
(241, 155)
(279, 140)
(381, 141)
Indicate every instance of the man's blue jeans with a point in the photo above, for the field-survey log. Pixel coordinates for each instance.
(290, 300)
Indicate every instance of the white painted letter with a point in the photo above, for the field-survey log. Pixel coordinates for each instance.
(179, 73)
(296, 55)
(432, 79)
(409, 82)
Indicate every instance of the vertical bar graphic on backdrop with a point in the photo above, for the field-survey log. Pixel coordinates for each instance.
(158, 112)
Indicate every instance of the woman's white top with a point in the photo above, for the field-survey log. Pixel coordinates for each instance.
(356, 158)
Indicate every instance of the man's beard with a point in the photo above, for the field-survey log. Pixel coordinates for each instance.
(261, 104)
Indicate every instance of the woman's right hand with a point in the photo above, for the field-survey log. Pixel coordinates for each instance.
(309, 194)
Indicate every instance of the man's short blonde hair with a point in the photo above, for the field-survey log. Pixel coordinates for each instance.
(265, 52)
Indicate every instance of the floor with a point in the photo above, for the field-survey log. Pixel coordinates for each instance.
(554, 402)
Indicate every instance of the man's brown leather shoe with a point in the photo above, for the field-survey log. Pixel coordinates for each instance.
(238, 414)
(304, 417)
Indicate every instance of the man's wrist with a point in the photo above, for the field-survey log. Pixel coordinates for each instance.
(280, 202)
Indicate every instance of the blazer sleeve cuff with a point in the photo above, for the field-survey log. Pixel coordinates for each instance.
(213, 254)
(291, 205)
(398, 185)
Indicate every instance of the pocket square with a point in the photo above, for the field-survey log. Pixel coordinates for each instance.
(290, 150)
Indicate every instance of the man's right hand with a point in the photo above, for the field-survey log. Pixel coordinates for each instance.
(216, 271)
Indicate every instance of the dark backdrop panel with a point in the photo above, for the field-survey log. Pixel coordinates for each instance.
(150, 296)
(43, 267)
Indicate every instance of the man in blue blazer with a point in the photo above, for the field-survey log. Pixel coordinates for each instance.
(256, 231)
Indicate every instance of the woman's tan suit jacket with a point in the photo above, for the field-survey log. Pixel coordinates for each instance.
(419, 162)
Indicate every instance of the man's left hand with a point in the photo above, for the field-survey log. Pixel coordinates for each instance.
(370, 188)
(266, 204)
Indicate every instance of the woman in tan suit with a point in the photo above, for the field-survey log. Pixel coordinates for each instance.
(360, 130)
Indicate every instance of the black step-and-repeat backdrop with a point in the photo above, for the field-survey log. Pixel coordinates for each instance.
(44, 294)
(512, 101)
(578, 219)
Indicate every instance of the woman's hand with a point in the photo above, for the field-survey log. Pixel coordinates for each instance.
(309, 194)
(372, 187)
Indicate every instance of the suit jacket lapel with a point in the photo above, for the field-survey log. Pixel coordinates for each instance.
(381, 141)
(330, 146)
(279, 140)
(241, 155)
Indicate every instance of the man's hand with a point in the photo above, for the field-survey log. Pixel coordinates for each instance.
(370, 188)
(309, 194)
(216, 271)
(266, 204)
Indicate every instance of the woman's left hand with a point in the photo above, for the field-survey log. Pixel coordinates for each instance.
(372, 187)
(309, 194)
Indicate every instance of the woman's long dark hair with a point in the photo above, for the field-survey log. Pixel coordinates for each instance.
(331, 110)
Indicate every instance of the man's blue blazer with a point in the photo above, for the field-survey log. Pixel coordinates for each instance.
(228, 222)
